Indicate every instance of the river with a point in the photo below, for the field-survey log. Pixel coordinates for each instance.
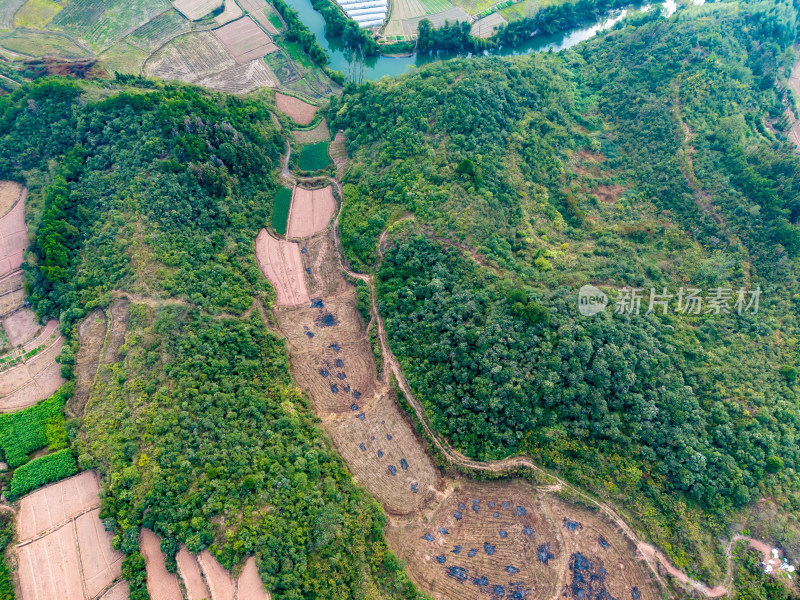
(380, 66)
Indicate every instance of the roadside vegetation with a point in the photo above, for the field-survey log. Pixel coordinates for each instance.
(638, 159)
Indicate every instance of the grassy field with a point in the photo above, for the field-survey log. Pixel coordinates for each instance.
(314, 157)
(124, 57)
(8, 9)
(35, 14)
(35, 43)
(280, 209)
(276, 21)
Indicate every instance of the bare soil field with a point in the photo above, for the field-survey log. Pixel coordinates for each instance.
(21, 326)
(190, 58)
(281, 263)
(245, 40)
(386, 456)
(320, 133)
(485, 27)
(300, 112)
(44, 336)
(161, 584)
(56, 504)
(10, 193)
(455, 14)
(196, 9)
(240, 79)
(13, 231)
(32, 381)
(189, 570)
(484, 538)
(249, 586)
(595, 550)
(311, 211)
(333, 362)
(65, 552)
(49, 567)
(12, 292)
(259, 10)
(231, 12)
(117, 592)
(101, 565)
(219, 580)
(91, 337)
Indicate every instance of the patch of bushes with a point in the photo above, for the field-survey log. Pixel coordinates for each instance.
(41, 471)
(280, 209)
(32, 428)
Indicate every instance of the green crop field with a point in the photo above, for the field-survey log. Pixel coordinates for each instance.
(101, 23)
(160, 30)
(314, 157)
(36, 43)
(280, 209)
(36, 13)
(276, 21)
(41, 471)
(32, 428)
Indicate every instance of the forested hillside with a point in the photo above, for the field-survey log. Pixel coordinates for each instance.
(158, 192)
(647, 158)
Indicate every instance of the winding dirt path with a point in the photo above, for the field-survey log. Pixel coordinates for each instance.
(657, 562)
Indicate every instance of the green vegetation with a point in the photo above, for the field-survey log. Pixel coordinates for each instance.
(280, 209)
(314, 157)
(36, 13)
(41, 471)
(750, 581)
(296, 31)
(6, 537)
(40, 43)
(101, 23)
(32, 428)
(126, 194)
(339, 25)
(558, 170)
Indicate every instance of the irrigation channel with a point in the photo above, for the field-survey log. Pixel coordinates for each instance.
(329, 351)
(379, 66)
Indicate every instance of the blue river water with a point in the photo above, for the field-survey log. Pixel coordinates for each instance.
(380, 66)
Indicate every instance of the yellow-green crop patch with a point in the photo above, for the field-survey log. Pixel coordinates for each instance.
(35, 14)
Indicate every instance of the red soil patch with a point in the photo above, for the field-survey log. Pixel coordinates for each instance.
(101, 564)
(589, 156)
(250, 586)
(49, 567)
(299, 111)
(189, 571)
(55, 504)
(219, 580)
(311, 211)
(281, 263)
(609, 193)
(13, 235)
(245, 40)
(161, 584)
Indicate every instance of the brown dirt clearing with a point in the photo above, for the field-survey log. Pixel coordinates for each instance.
(300, 112)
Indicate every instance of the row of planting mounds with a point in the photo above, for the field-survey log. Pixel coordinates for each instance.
(314, 157)
(280, 209)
